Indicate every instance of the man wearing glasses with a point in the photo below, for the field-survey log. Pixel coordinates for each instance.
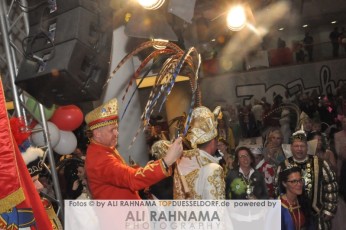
(320, 186)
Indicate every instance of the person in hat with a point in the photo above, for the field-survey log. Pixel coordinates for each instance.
(108, 175)
(320, 187)
(33, 212)
(198, 165)
(33, 160)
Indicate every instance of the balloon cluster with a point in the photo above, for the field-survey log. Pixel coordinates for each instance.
(61, 121)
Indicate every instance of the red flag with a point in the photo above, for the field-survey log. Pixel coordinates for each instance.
(17, 189)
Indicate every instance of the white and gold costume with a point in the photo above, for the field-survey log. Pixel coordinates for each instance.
(203, 174)
(198, 174)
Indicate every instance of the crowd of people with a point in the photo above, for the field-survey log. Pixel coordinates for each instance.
(222, 158)
(303, 170)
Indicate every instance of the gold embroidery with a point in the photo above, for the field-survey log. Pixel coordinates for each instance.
(191, 181)
(218, 183)
(149, 167)
(206, 161)
(178, 191)
(190, 153)
(316, 181)
(11, 200)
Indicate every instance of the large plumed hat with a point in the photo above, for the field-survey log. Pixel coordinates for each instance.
(303, 117)
(33, 160)
(103, 115)
(203, 126)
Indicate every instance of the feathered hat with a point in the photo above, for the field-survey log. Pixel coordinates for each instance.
(33, 160)
(203, 127)
(103, 115)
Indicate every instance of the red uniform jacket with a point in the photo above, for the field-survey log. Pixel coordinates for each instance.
(110, 178)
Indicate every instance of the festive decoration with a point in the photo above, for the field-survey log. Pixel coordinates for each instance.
(67, 143)
(38, 135)
(67, 118)
(238, 186)
(17, 191)
(19, 131)
(175, 60)
(33, 107)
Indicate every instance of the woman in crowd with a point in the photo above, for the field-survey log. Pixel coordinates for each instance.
(321, 151)
(273, 152)
(244, 181)
(293, 216)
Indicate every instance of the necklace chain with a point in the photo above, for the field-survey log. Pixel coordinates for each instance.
(291, 209)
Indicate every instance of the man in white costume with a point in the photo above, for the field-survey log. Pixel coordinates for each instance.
(198, 174)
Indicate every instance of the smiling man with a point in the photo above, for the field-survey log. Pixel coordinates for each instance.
(320, 187)
(108, 175)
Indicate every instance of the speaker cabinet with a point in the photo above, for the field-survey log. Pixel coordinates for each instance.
(41, 10)
(77, 23)
(69, 73)
(72, 65)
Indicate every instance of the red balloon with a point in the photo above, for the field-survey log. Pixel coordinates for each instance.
(67, 118)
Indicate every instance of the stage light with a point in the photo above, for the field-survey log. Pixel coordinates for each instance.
(151, 4)
(150, 24)
(236, 18)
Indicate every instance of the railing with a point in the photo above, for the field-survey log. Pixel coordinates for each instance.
(271, 58)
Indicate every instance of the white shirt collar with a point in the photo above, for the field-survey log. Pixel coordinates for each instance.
(208, 156)
(251, 172)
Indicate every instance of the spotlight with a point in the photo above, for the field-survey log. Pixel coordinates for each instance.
(151, 4)
(236, 18)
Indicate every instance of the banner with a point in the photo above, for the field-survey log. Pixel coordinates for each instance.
(173, 214)
(313, 79)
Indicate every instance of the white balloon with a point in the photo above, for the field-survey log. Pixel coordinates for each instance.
(67, 143)
(53, 134)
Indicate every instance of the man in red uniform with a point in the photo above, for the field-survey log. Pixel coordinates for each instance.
(108, 175)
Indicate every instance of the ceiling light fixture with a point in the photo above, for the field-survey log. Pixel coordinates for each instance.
(150, 24)
(333, 22)
(306, 25)
(281, 29)
(236, 18)
(151, 4)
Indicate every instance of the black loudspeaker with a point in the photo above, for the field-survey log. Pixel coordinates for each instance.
(67, 56)
(77, 23)
(41, 10)
(70, 73)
